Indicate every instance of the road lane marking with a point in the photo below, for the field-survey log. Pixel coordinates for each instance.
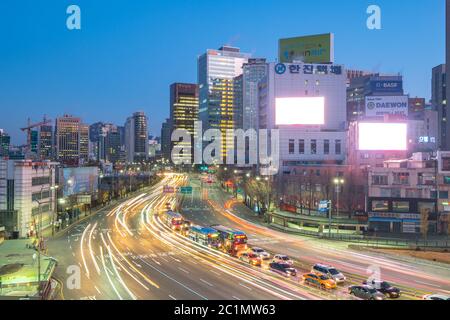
(99, 292)
(428, 284)
(206, 282)
(235, 298)
(243, 285)
(172, 297)
(184, 270)
(215, 272)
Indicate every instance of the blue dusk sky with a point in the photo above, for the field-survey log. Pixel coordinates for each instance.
(128, 52)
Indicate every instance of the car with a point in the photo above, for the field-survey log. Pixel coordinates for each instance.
(281, 258)
(319, 281)
(328, 271)
(385, 288)
(366, 292)
(261, 253)
(436, 296)
(283, 269)
(251, 258)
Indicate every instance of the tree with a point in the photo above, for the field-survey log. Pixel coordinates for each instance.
(424, 225)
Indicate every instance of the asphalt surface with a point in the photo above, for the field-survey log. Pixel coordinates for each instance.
(127, 252)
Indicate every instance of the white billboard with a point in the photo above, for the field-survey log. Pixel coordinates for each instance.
(382, 136)
(378, 106)
(300, 111)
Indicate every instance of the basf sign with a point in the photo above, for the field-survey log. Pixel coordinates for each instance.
(308, 49)
(378, 106)
(386, 86)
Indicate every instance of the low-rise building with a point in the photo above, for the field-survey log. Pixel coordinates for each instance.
(27, 195)
(403, 191)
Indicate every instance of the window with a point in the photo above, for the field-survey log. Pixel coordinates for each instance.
(39, 181)
(380, 180)
(326, 147)
(400, 206)
(396, 192)
(338, 147)
(401, 178)
(426, 206)
(301, 146)
(380, 205)
(291, 146)
(426, 178)
(313, 146)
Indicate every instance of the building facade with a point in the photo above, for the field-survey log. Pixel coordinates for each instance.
(5, 142)
(27, 195)
(72, 140)
(184, 113)
(439, 102)
(216, 72)
(402, 191)
(136, 137)
(306, 102)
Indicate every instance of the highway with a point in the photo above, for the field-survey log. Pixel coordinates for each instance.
(126, 252)
(415, 277)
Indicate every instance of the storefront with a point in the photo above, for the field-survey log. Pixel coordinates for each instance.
(388, 222)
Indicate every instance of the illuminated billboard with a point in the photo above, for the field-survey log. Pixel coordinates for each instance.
(300, 111)
(382, 136)
(378, 106)
(308, 49)
(80, 180)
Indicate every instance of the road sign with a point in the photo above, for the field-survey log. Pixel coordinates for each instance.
(168, 189)
(324, 206)
(186, 190)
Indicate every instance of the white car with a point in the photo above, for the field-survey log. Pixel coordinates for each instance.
(436, 297)
(261, 253)
(282, 258)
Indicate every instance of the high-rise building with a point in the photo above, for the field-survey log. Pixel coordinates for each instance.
(136, 137)
(372, 85)
(84, 143)
(45, 148)
(34, 142)
(5, 141)
(72, 140)
(306, 102)
(439, 102)
(109, 147)
(446, 124)
(216, 72)
(253, 72)
(184, 109)
(166, 135)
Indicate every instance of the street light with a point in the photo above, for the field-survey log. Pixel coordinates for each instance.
(338, 182)
(55, 213)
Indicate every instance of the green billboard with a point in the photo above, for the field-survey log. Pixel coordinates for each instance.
(308, 49)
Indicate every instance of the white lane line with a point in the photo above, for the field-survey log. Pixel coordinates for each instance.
(206, 282)
(215, 272)
(174, 280)
(428, 284)
(172, 297)
(184, 270)
(235, 298)
(243, 285)
(97, 290)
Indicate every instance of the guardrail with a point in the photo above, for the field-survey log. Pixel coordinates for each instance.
(369, 241)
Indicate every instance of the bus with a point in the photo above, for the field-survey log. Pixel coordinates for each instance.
(204, 236)
(231, 241)
(173, 220)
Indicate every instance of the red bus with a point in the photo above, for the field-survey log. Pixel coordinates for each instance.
(231, 241)
(173, 220)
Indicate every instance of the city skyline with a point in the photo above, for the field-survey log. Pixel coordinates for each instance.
(88, 60)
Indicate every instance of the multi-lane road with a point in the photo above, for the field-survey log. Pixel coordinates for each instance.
(127, 252)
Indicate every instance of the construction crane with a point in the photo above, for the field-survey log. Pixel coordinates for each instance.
(28, 130)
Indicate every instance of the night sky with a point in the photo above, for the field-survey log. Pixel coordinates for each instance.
(129, 52)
